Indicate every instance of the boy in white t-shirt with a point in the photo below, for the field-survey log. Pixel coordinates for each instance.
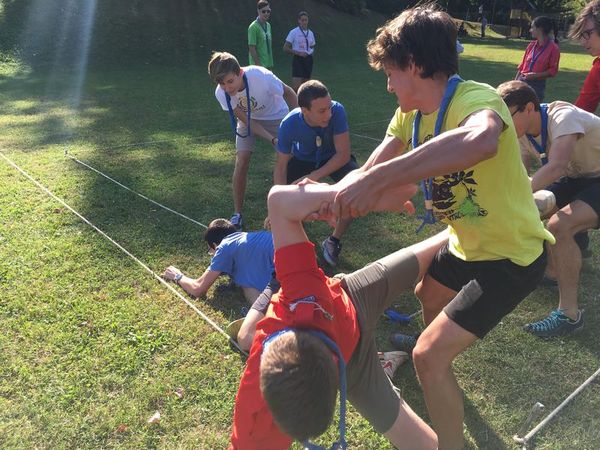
(256, 101)
(566, 141)
(300, 42)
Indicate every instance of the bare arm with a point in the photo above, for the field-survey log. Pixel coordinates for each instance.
(341, 157)
(290, 97)
(475, 141)
(255, 126)
(195, 288)
(389, 148)
(280, 170)
(558, 159)
(254, 53)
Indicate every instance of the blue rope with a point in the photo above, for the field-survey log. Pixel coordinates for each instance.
(541, 149)
(427, 185)
(230, 109)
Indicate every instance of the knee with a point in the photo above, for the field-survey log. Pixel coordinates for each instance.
(560, 226)
(427, 363)
(277, 196)
(242, 160)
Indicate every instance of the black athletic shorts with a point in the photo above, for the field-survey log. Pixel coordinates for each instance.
(299, 169)
(487, 290)
(302, 67)
(567, 190)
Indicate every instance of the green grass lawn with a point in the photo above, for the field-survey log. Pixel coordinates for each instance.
(91, 345)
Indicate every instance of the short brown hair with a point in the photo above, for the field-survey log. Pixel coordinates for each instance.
(299, 381)
(261, 4)
(518, 93)
(589, 11)
(217, 230)
(309, 91)
(221, 64)
(422, 35)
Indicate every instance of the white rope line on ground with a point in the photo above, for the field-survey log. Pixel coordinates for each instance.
(366, 137)
(124, 250)
(67, 154)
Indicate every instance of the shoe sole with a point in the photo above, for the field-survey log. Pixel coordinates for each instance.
(566, 333)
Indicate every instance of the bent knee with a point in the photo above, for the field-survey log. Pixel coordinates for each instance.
(428, 362)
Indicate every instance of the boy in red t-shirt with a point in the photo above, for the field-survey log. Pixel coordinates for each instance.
(289, 387)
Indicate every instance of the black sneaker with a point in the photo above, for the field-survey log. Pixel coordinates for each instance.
(331, 251)
(403, 342)
(556, 324)
(237, 221)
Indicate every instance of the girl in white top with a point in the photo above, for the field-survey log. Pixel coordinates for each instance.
(300, 43)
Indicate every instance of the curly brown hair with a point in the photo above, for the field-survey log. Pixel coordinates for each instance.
(422, 35)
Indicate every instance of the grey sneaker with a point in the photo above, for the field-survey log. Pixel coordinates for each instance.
(237, 221)
(331, 251)
(556, 324)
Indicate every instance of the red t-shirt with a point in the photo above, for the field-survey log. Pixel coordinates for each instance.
(546, 60)
(300, 277)
(589, 97)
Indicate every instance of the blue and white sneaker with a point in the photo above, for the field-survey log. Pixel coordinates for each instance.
(556, 324)
(237, 221)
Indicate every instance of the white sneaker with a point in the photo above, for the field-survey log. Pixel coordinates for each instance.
(390, 361)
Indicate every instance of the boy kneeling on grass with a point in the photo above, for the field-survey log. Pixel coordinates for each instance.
(318, 335)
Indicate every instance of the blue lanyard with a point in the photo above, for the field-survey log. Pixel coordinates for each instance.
(232, 116)
(541, 149)
(305, 37)
(535, 57)
(341, 443)
(427, 185)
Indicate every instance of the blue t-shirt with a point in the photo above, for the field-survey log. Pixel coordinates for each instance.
(247, 258)
(300, 139)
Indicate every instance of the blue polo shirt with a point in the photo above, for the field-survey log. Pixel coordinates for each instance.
(300, 139)
(247, 258)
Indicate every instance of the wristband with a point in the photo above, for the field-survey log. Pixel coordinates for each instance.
(178, 278)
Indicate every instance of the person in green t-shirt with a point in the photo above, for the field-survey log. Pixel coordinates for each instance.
(260, 37)
(458, 136)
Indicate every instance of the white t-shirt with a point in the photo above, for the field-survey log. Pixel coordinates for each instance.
(266, 95)
(564, 119)
(301, 41)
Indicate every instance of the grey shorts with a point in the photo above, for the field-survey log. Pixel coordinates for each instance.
(247, 144)
(372, 290)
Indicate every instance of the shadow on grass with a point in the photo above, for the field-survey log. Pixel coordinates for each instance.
(482, 433)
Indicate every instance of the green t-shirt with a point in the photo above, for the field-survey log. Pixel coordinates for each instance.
(262, 39)
(489, 207)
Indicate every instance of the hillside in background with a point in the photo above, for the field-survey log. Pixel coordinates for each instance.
(174, 32)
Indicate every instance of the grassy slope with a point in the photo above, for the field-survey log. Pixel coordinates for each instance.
(91, 346)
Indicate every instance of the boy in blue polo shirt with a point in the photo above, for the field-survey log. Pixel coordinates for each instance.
(314, 142)
(246, 257)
